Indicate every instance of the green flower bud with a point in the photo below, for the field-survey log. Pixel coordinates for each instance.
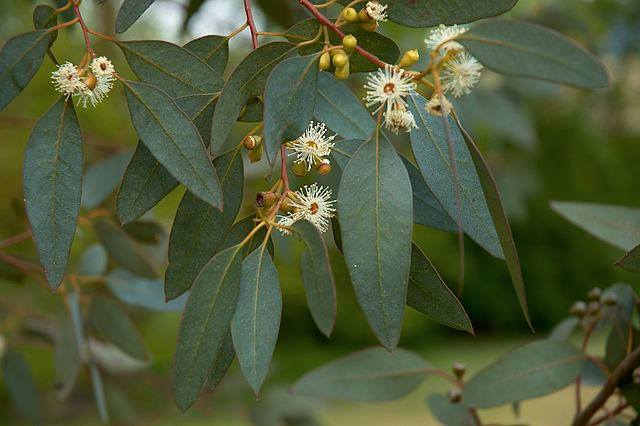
(350, 15)
(349, 43)
(325, 61)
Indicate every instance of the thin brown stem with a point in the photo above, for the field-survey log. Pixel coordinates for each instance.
(251, 23)
(610, 415)
(85, 30)
(15, 239)
(585, 343)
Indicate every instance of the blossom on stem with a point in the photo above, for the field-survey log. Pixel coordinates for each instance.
(460, 74)
(438, 106)
(66, 79)
(312, 203)
(312, 146)
(377, 11)
(442, 38)
(399, 119)
(388, 88)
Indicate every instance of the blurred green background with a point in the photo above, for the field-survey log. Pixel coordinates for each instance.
(543, 141)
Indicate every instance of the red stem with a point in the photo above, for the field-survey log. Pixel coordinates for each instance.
(85, 30)
(251, 23)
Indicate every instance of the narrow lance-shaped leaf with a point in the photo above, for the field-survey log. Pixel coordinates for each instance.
(66, 359)
(19, 383)
(129, 12)
(376, 215)
(20, 59)
(205, 323)
(429, 294)
(536, 369)
(289, 101)
(370, 375)
(256, 322)
(112, 323)
(530, 50)
(173, 140)
(428, 13)
(317, 277)
(53, 186)
(501, 222)
(136, 291)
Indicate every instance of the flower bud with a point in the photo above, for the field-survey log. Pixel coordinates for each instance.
(255, 154)
(349, 43)
(324, 168)
(578, 309)
(369, 26)
(459, 369)
(300, 169)
(342, 73)
(593, 308)
(265, 198)
(90, 81)
(609, 299)
(340, 60)
(349, 14)
(363, 16)
(252, 141)
(325, 61)
(454, 395)
(594, 294)
(409, 58)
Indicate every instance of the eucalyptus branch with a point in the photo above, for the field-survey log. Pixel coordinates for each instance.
(85, 29)
(251, 23)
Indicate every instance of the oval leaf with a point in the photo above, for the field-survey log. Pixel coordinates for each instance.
(113, 324)
(375, 214)
(136, 291)
(428, 13)
(93, 261)
(129, 13)
(53, 186)
(370, 375)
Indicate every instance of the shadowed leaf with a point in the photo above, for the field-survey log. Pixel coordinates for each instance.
(113, 324)
(20, 385)
(428, 13)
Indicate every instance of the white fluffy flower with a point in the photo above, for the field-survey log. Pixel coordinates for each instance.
(102, 66)
(66, 79)
(460, 74)
(388, 88)
(399, 119)
(441, 38)
(377, 11)
(286, 221)
(435, 106)
(102, 85)
(313, 203)
(312, 146)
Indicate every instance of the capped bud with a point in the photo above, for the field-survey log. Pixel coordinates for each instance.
(636, 376)
(369, 26)
(324, 168)
(594, 294)
(363, 16)
(300, 169)
(349, 14)
(255, 154)
(265, 198)
(593, 308)
(325, 61)
(459, 369)
(454, 395)
(349, 43)
(578, 309)
(342, 73)
(609, 299)
(340, 60)
(252, 141)
(409, 58)
(90, 81)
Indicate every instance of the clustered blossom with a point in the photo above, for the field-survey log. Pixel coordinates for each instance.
(377, 11)
(437, 106)
(313, 146)
(90, 85)
(312, 203)
(460, 74)
(442, 38)
(399, 119)
(388, 89)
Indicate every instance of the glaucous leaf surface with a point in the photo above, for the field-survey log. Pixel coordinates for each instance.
(449, 413)
(370, 375)
(616, 225)
(93, 261)
(317, 277)
(137, 291)
(221, 362)
(427, 293)
(213, 50)
(564, 329)
(102, 178)
(20, 385)
(376, 214)
(289, 101)
(529, 50)
(52, 175)
(66, 359)
(173, 140)
(205, 323)
(129, 12)
(429, 13)
(533, 370)
(256, 322)
(20, 59)
(114, 325)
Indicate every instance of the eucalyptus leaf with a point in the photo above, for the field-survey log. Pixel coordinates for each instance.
(371, 375)
(137, 291)
(530, 50)
(428, 13)
(205, 323)
(533, 370)
(113, 324)
(93, 261)
(376, 215)
(129, 12)
(52, 173)
(66, 359)
(145, 231)
(213, 50)
(102, 178)
(256, 322)
(564, 329)
(631, 260)
(20, 385)
(449, 413)
(45, 17)
(221, 362)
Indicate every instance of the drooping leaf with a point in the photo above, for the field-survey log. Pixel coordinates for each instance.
(623, 335)
(53, 186)
(529, 50)
(427, 293)
(430, 149)
(376, 215)
(563, 330)
(256, 322)
(317, 277)
(136, 291)
(213, 50)
(170, 67)
(289, 101)
(173, 140)
(20, 59)
(616, 225)
(205, 323)
(501, 222)
(129, 13)
(247, 80)
(123, 249)
(449, 413)
(631, 260)
(102, 178)
(342, 112)
(20, 385)
(370, 375)
(536, 369)
(66, 359)
(146, 181)
(114, 325)
(93, 261)
(221, 362)
(428, 13)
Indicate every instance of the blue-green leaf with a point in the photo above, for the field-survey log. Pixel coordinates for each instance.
(102, 178)
(20, 384)
(137, 291)
(129, 13)
(113, 324)
(428, 13)
(212, 49)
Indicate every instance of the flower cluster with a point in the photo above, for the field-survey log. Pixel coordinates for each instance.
(91, 84)
(376, 11)
(313, 146)
(388, 89)
(312, 203)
